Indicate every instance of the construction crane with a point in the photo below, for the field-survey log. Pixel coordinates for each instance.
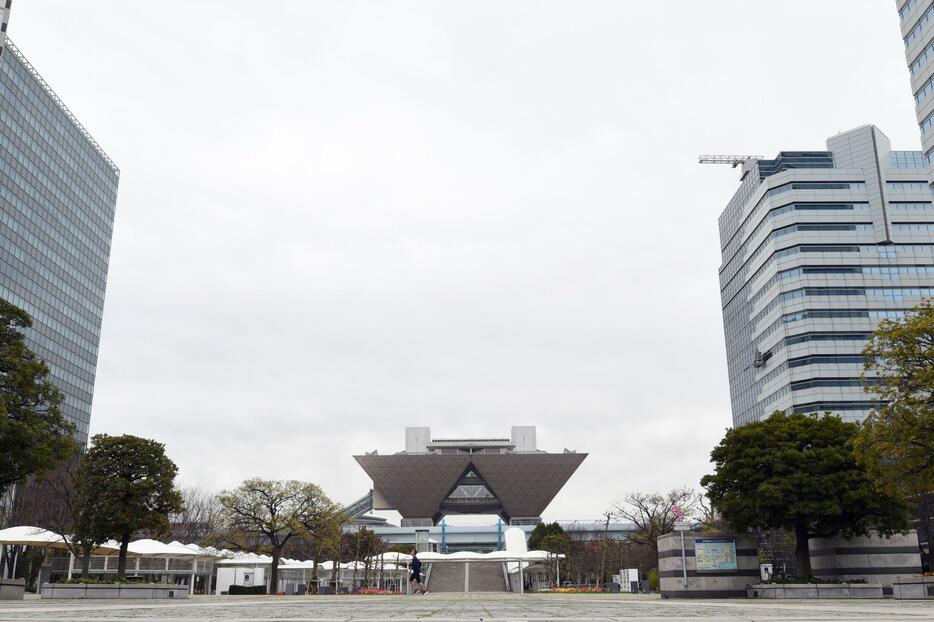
(732, 160)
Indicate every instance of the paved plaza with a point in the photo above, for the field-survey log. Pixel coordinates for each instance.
(464, 607)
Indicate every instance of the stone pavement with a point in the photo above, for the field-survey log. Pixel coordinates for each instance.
(473, 606)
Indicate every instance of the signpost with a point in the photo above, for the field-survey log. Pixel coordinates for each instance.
(683, 525)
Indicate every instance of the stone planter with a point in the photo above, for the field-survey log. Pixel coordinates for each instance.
(113, 590)
(913, 588)
(12, 589)
(838, 591)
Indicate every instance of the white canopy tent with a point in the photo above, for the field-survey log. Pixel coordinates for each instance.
(25, 535)
(174, 559)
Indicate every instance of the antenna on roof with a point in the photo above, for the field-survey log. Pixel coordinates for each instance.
(732, 160)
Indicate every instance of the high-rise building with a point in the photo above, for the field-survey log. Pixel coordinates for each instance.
(58, 192)
(4, 22)
(917, 22)
(817, 248)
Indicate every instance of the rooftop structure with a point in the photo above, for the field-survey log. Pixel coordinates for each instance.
(510, 477)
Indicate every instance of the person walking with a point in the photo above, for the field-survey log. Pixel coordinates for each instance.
(416, 577)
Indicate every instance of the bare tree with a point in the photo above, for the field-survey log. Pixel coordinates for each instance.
(654, 514)
(710, 519)
(606, 529)
(199, 519)
(51, 502)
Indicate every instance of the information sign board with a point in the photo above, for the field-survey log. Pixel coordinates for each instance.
(714, 554)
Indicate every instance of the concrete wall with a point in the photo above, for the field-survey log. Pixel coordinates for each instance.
(12, 589)
(873, 558)
(705, 584)
(96, 591)
(417, 439)
(523, 437)
(812, 590)
(914, 588)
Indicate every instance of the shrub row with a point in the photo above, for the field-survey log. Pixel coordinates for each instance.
(234, 590)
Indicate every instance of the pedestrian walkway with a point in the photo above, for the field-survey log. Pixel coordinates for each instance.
(471, 606)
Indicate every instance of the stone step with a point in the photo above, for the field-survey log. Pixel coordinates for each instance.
(486, 577)
(447, 577)
(480, 577)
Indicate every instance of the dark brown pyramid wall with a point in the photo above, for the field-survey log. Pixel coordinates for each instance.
(526, 483)
(416, 485)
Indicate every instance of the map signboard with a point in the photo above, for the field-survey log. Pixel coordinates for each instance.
(715, 554)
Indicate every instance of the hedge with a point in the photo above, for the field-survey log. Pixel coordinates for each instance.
(233, 590)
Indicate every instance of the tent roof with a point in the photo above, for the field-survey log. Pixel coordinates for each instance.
(154, 548)
(393, 556)
(30, 536)
(37, 536)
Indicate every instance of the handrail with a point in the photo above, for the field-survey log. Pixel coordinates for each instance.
(55, 98)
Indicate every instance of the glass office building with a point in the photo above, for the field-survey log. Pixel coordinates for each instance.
(58, 192)
(916, 18)
(818, 248)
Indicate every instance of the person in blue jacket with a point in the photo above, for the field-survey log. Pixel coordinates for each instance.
(416, 577)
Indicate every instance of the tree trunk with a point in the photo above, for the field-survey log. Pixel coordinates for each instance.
(85, 564)
(606, 531)
(121, 560)
(802, 553)
(274, 569)
(314, 573)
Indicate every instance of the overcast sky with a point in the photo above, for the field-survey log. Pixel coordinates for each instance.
(336, 219)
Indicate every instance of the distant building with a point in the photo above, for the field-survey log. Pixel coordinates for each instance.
(485, 538)
(432, 478)
(817, 248)
(58, 193)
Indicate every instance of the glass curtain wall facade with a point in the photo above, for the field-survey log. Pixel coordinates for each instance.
(917, 25)
(58, 193)
(817, 248)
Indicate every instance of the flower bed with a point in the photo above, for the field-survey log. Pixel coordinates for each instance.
(368, 591)
(578, 590)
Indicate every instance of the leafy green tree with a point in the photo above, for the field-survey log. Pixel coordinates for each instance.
(325, 541)
(541, 532)
(555, 543)
(897, 440)
(125, 484)
(34, 437)
(277, 511)
(799, 472)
